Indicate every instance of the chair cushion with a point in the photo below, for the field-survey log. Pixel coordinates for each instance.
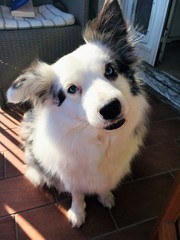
(45, 16)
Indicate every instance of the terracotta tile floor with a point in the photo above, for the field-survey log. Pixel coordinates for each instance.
(30, 213)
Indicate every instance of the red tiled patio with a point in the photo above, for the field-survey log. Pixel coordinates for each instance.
(30, 213)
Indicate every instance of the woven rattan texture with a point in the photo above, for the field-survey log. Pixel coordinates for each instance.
(18, 48)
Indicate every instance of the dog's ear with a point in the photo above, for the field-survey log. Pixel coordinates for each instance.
(110, 28)
(109, 22)
(34, 84)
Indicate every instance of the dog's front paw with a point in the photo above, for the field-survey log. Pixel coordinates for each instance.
(76, 218)
(107, 200)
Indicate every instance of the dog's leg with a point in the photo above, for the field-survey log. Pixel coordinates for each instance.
(107, 199)
(76, 213)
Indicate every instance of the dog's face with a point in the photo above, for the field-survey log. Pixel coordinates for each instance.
(93, 84)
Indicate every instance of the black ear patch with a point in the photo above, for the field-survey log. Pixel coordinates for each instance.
(58, 95)
(110, 29)
(61, 97)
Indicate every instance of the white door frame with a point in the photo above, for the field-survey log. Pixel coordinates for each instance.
(148, 44)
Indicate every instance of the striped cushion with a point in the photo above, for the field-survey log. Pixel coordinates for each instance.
(45, 16)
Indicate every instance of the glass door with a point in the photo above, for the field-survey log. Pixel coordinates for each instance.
(146, 18)
(142, 18)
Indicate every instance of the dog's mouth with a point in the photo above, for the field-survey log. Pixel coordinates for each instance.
(116, 125)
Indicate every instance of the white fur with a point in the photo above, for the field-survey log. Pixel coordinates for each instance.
(70, 140)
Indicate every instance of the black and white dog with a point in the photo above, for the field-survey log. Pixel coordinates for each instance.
(89, 114)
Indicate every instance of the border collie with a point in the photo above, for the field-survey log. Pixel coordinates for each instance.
(89, 114)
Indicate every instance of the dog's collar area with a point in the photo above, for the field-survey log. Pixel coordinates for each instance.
(116, 125)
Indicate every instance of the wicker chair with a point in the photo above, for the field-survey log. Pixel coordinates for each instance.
(18, 48)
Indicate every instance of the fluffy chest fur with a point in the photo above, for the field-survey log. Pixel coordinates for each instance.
(80, 157)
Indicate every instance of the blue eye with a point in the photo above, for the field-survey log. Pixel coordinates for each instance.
(72, 89)
(110, 72)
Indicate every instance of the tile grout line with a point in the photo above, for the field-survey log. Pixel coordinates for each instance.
(26, 210)
(137, 223)
(13, 217)
(9, 178)
(172, 175)
(113, 219)
(34, 208)
(124, 228)
(176, 143)
(16, 227)
(11, 149)
(149, 177)
(4, 167)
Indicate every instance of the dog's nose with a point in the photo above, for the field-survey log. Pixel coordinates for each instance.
(111, 110)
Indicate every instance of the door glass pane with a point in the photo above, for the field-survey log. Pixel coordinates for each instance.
(142, 14)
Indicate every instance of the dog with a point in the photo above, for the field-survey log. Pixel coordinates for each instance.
(89, 114)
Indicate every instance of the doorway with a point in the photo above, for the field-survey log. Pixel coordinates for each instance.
(168, 57)
(170, 62)
(147, 20)
(158, 33)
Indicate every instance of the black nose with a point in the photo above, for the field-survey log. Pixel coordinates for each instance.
(111, 110)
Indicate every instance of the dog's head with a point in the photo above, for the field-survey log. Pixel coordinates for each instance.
(95, 82)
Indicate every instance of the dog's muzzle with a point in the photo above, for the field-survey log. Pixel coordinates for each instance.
(110, 112)
(116, 125)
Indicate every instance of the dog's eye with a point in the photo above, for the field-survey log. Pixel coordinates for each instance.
(72, 89)
(110, 72)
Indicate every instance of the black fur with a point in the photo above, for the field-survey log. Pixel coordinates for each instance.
(110, 29)
(36, 164)
(135, 89)
(61, 97)
(58, 95)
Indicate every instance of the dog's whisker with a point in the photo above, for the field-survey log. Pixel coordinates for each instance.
(82, 124)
